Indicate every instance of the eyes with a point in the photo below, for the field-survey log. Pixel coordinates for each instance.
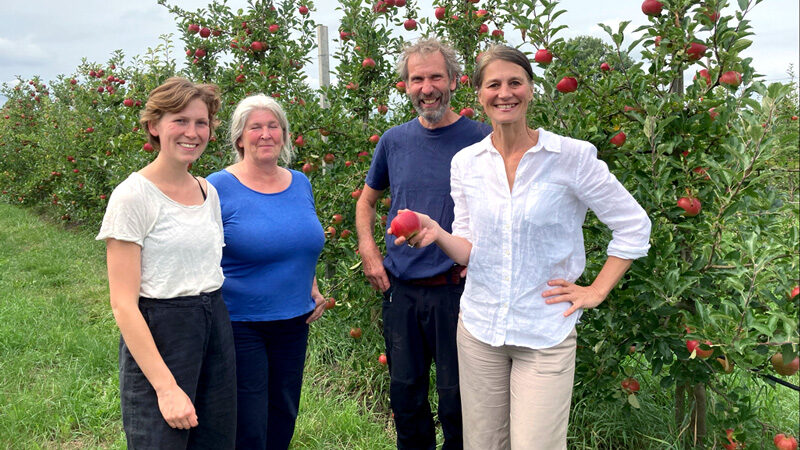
(496, 84)
(185, 121)
(270, 127)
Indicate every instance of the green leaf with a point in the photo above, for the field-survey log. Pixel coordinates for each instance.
(740, 45)
(633, 401)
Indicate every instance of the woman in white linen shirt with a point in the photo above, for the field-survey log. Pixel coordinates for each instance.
(521, 197)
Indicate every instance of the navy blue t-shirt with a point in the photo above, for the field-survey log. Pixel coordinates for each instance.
(272, 244)
(414, 162)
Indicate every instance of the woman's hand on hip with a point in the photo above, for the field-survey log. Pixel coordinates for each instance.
(580, 296)
(176, 408)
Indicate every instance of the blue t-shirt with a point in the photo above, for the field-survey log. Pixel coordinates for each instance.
(272, 244)
(415, 162)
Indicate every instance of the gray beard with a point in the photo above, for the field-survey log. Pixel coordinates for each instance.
(436, 115)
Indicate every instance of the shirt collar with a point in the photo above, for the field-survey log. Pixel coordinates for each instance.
(548, 141)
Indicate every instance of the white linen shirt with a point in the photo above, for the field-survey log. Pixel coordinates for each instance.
(522, 239)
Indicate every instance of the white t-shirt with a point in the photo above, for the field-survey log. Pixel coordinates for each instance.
(181, 245)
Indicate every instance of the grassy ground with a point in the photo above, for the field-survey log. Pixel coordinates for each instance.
(58, 370)
(58, 351)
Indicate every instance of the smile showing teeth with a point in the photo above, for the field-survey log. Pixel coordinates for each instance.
(429, 101)
(505, 106)
(189, 146)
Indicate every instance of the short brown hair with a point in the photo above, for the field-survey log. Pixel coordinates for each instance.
(173, 96)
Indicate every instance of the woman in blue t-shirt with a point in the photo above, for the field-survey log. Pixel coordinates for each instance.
(273, 239)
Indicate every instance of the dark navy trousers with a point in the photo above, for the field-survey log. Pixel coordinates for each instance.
(193, 335)
(419, 326)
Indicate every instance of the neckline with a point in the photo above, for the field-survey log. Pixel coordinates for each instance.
(170, 199)
(291, 183)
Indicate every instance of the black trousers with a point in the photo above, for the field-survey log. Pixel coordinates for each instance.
(419, 326)
(193, 335)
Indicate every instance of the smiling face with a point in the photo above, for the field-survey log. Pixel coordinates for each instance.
(262, 137)
(505, 92)
(183, 136)
(429, 87)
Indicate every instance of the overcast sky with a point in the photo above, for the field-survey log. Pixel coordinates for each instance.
(49, 37)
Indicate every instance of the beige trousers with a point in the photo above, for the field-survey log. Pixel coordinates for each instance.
(515, 397)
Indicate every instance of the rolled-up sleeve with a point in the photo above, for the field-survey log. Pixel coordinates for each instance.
(600, 190)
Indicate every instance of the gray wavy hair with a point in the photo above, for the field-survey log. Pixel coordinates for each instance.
(425, 47)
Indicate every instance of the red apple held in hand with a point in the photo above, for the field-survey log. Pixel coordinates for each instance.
(652, 7)
(440, 13)
(543, 56)
(382, 359)
(618, 139)
(696, 51)
(355, 333)
(469, 112)
(330, 303)
(784, 369)
(410, 24)
(690, 205)
(405, 224)
(731, 78)
(783, 442)
(374, 138)
(567, 84)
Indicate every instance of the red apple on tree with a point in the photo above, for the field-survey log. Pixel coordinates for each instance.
(128, 102)
(483, 29)
(794, 292)
(383, 109)
(618, 139)
(382, 359)
(731, 78)
(469, 112)
(690, 205)
(704, 73)
(193, 28)
(605, 67)
(147, 147)
(440, 12)
(368, 63)
(783, 442)
(299, 142)
(630, 385)
(274, 28)
(329, 158)
(696, 51)
(401, 86)
(355, 333)
(784, 369)
(303, 10)
(205, 32)
(410, 24)
(543, 56)
(567, 84)
(374, 138)
(694, 346)
(652, 7)
(405, 224)
(330, 303)
(258, 46)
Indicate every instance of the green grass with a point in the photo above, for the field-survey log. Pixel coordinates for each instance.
(58, 365)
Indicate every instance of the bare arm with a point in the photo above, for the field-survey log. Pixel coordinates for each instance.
(456, 247)
(124, 278)
(588, 296)
(367, 248)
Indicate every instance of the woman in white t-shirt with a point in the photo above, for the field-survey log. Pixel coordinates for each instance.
(163, 232)
(521, 197)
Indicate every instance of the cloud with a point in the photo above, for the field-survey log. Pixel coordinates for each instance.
(21, 53)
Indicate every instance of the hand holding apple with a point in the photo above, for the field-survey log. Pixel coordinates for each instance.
(413, 228)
